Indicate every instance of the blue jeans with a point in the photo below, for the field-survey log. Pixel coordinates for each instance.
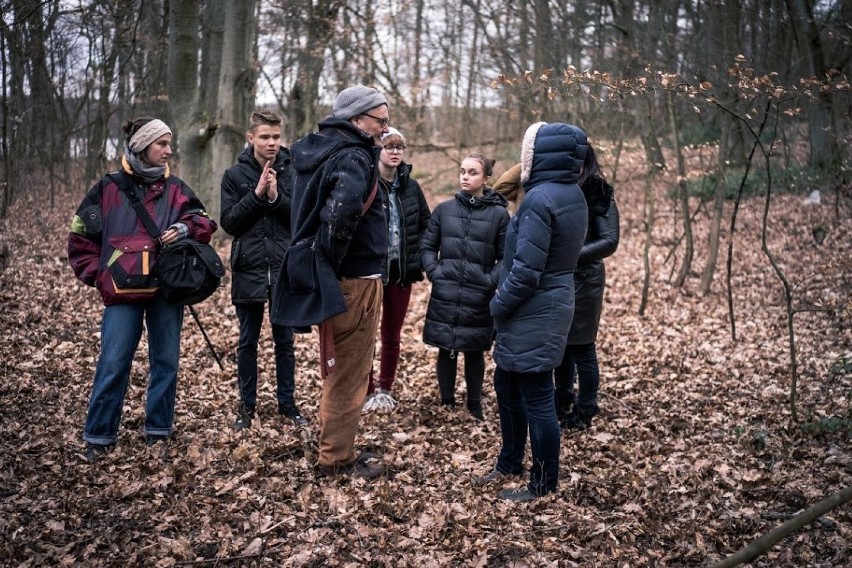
(121, 329)
(583, 360)
(525, 403)
(251, 319)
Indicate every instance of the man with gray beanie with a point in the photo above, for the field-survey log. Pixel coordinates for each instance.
(332, 275)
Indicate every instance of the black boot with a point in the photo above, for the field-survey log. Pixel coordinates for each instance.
(475, 409)
(581, 417)
(564, 408)
(245, 415)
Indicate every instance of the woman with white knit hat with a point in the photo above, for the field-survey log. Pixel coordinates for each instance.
(110, 249)
(408, 215)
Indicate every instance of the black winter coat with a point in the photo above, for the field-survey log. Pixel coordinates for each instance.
(590, 277)
(261, 229)
(461, 252)
(414, 213)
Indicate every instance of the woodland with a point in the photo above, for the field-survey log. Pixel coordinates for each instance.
(726, 339)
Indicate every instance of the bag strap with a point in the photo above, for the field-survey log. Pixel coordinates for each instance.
(370, 198)
(124, 183)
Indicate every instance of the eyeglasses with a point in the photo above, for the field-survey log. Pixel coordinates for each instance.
(382, 121)
(395, 149)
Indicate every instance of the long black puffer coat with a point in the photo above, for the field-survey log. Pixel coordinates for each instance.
(461, 252)
(261, 230)
(590, 276)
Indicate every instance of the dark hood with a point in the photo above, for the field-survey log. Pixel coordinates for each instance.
(552, 153)
(312, 150)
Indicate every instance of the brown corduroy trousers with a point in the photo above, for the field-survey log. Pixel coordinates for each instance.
(345, 387)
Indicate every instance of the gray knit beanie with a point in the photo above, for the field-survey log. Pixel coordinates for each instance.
(356, 100)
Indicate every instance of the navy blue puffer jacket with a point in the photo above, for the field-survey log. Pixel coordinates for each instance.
(534, 303)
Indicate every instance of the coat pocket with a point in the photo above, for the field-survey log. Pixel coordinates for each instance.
(302, 264)
(131, 263)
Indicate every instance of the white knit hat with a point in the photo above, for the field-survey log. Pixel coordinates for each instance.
(393, 132)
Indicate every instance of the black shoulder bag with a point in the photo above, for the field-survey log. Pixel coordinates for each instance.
(187, 271)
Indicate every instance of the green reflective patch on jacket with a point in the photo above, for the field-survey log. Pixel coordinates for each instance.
(78, 226)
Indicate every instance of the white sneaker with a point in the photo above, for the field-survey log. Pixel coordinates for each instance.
(380, 401)
(386, 401)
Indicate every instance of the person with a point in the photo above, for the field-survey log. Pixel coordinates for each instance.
(534, 304)
(589, 281)
(339, 223)
(461, 251)
(110, 249)
(256, 212)
(408, 214)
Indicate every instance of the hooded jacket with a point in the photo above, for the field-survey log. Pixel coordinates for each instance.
(534, 303)
(461, 252)
(335, 171)
(261, 229)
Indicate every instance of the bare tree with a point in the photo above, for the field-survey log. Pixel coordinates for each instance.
(237, 80)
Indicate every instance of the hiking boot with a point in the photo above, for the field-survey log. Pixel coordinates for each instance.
(244, 418)
(367, 465)
(517, 495)
(492, 476)
(94, 452)
(294, 416)
(475, 409)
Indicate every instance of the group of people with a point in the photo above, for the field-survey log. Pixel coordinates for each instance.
(333, 233)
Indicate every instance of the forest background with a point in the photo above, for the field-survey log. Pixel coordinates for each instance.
(726, 349)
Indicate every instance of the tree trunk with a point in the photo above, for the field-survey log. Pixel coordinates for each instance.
(237, 80)
(304, 95)
(820, 114)
(183, 89)
(716, 222)
(683, 193)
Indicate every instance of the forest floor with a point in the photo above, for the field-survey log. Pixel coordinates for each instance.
(695, 455)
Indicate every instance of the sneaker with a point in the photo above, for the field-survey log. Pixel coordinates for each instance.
(94, 452)
(379, 401)
(294, 416)
(244, 418)
(491, 477)
(518, 495)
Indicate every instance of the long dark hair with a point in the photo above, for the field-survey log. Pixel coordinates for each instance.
(592, 182)
(591, 168)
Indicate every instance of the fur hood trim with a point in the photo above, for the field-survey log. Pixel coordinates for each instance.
(527, 150)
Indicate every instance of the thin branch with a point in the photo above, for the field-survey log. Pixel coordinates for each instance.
(770, 539)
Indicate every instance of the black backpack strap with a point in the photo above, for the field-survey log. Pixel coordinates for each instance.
(122, 180)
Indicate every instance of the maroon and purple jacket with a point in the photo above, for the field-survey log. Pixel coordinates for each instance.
(109, 247)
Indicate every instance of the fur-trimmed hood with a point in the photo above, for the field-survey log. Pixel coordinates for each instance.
(552, 153)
